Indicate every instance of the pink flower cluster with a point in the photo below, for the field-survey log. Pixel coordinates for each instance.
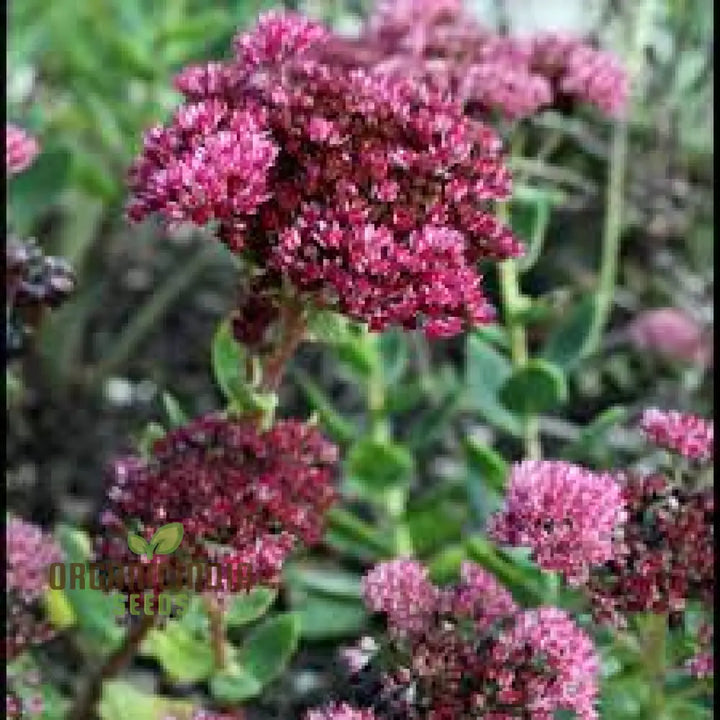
(549, 634)
(20, 149)
(370, 194)
(340, 711)
(442, 43)
(402, 590)
(702, 665)
(253, 494)
(689, 435)
(480, 596)
(578, 71)
(671, 333)
(211, 163)
(565, 513)
(201, 714)
(511, 663)
(30, 552)
(636, 543)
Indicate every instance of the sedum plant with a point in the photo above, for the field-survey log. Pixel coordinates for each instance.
(359, 188)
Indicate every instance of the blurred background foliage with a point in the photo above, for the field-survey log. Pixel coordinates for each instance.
(423, 427)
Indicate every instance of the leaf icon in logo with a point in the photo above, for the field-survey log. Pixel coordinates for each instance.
(167, 539)
(137, 544)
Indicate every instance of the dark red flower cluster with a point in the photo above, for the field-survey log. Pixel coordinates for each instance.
(20, 149)
(467, 651)
(441, 42)
(369, 194)
(245, 497)
(666, 555)
(30, 552)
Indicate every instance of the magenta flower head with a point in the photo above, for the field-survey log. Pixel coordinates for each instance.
(480, 596)
(202, 714)
(581, 73)
(20, 149)
(402, 590)
(689, 435)
(491, 74)
(363, 193)
(566, 514)
(570, 665)
(340, 711)
(30, 553)
(509, 663)
(278, 37)
(671, 333)
(245, 497)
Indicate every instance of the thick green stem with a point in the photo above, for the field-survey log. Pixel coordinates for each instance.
(611, 233)
(395, 498)
(512, 303)
(640, 24)
(654, 644)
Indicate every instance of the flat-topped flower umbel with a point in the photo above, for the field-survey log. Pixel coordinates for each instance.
(366, 194)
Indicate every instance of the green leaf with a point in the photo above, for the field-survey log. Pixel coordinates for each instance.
(571, 339)
(230, 367)
(525, 582)
(58, 609)
(322, 617)
(325, 581)
(486, 478)
(269, 647)
(395, 355)
(376, 466)
(137, 544)
(538, 386)
(592, 440)
(36, 189)
(328, 327)
(150, 435)
(121, 700)
(350, 534)
(445, 566)
(93, 609)
(433, 526)
(248, 607)
(185, 656)
(486, 371)
(433, 422)
(176, 415)
(229, 361)
(332, 421)
(234, 685)
(489, 464)
(167, 539)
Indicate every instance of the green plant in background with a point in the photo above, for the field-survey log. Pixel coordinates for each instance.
(426, 431)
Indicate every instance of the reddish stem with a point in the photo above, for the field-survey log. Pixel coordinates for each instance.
(217, 631)
(84, 706)
(292, 330)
